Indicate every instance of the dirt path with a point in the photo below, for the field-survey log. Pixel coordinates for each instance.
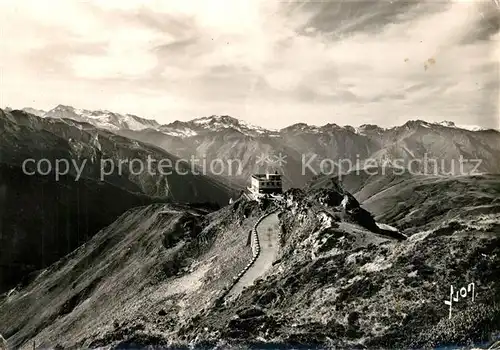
(268, 232)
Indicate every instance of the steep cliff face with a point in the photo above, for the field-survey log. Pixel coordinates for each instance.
(155, 275)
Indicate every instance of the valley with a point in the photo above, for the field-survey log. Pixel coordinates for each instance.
(361, 260)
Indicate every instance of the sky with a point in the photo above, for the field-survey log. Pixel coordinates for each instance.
(271, 63)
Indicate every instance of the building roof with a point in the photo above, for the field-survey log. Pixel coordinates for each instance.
(265, 176)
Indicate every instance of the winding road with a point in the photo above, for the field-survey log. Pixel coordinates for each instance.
(268, 231)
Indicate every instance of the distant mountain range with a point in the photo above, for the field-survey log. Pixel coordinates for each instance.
(303, 151)
(116, 121)
(27, 136)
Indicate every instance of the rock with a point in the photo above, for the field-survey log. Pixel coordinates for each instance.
(3, 343)
(162, 313)
(268, 298)
(248, 325)
(353, 318)
(250, 313)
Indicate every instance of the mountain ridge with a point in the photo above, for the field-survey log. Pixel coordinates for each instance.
(115, 121)
(305, 150)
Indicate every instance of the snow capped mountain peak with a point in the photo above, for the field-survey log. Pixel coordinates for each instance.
(335, 127)
(450, 124)
(216, 122)
(350, 129)
(417, 123)
(314, 129)
(447, 123)
(212, 123)
(37, 112)
(215, 119)
(331, 126)
(471, 127)
(178, 129)
(62, 108)
(366, 129)
(134, 122)
(222, 122)
(102, 118)
(301, 127)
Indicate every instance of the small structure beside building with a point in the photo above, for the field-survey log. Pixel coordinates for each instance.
(262, 184)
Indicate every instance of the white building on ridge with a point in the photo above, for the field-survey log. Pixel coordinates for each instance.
(262, 184)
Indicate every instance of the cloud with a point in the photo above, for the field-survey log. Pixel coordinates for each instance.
(271, 63)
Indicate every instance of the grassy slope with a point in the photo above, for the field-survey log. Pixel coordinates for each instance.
(417, 202)
(120, 280)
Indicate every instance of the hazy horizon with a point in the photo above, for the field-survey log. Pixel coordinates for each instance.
(269, 63)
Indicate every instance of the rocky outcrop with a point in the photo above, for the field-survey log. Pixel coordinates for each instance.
(3, 343)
